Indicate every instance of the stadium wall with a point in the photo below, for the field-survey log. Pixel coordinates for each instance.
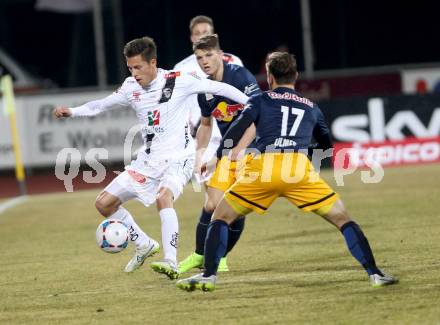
(42, 136)
(362, 122)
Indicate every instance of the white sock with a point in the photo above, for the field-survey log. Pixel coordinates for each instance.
(137, 236)
(170, 233)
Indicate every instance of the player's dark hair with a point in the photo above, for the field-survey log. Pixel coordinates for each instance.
(209, 42)
(282, 66)
(144, 46)
(200, 20)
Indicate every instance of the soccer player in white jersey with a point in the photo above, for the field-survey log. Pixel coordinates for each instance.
(165, 163)
(199, 27)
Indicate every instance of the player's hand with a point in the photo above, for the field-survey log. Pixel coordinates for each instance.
(203, 168)
(61, 112)
(197, 168)
(209, 167)
(233, 155)
(236, 153)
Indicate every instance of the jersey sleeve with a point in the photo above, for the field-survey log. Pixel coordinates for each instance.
(236, 60)
(321, 127)
(204, 105)
(247, 83)
(321, 132)
(115, 100)
(232, 59)
(196, 85)
(252, 109)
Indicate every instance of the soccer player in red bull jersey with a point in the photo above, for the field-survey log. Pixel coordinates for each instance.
(224, 111)
(285, 124)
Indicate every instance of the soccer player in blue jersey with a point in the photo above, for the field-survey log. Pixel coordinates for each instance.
(210, 58)
(285, 124)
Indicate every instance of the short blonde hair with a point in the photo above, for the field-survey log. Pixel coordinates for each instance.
(200, 20)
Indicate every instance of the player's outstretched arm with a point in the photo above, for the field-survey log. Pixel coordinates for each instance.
(228, 91)
(94, 107)
(196, 85)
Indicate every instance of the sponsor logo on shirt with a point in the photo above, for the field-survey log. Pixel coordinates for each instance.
(225, 112)
(136, 96)
(195, 75)
(153, 117)
(172, 75)
(250, 88)
(167, 92)
(290, 96)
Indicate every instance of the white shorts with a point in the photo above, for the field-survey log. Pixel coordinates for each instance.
(173, 176)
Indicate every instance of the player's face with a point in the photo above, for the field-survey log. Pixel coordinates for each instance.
(210, 61)
(200, 30)
(144, 72)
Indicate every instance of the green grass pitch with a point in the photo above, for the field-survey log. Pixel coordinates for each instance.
(288, 268)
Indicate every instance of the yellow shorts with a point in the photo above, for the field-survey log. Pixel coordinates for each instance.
(227, 172)
(272, 175)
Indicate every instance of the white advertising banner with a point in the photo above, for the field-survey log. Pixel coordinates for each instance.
(42, 136)
(6, 154)
(421, 81)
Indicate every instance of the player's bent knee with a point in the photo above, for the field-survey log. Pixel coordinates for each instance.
(210, 205)
(214, 196)
(225, 212)
(105, 205)
(337, 214)
(102, 208)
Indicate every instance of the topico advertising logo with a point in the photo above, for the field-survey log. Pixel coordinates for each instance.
(388, 136)
(225, 112)
(153, 118)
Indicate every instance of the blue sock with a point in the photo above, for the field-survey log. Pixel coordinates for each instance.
(235, 230)
(359, 247)
(215, 245)
(201, 229)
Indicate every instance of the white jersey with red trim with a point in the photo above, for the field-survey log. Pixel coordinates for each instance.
(161, 113)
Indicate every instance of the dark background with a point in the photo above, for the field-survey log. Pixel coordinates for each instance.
(346, 34)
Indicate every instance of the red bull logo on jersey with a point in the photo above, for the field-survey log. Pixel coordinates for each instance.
(225, 112)
(153, 117)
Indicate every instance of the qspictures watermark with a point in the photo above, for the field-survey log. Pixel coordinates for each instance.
(291, 168)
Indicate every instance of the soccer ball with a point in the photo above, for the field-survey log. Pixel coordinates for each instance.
(112, 236)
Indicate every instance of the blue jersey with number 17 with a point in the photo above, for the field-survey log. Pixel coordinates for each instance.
(285, 120)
